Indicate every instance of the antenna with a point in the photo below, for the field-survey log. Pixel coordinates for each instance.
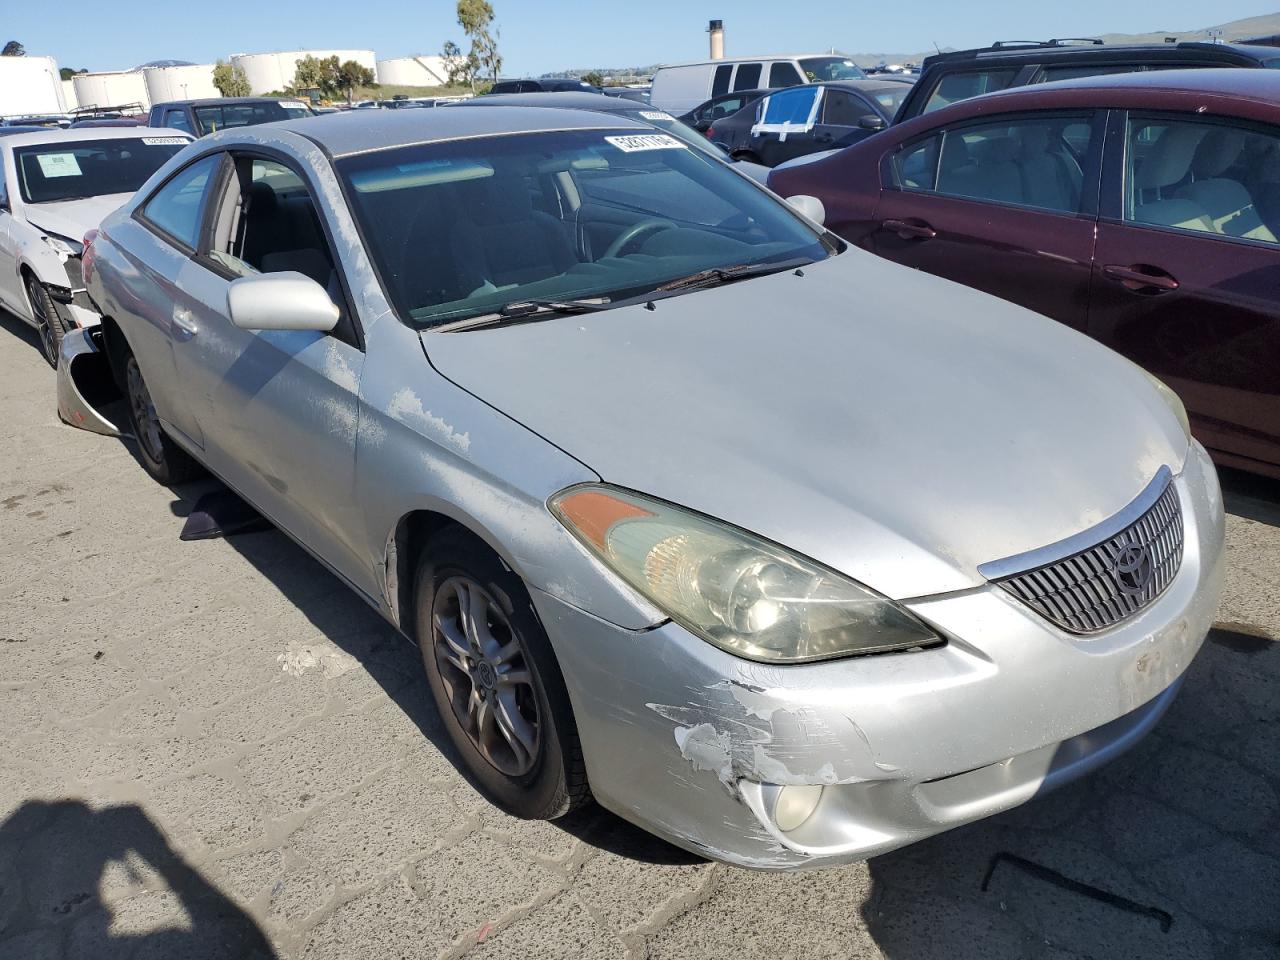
(938, 48)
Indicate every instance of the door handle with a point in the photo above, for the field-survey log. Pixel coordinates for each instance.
(184, 323)
(1141, 277)
(908, 230)
(823, 138)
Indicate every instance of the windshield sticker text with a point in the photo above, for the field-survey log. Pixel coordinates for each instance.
(645, 141)
(165, 141)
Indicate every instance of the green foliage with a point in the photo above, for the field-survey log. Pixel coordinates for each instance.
(13, 49)
(318, 73)
(593, 77)
(352, 75)
(482, 59)
(460, 68)
(66, 73)
(230, 79)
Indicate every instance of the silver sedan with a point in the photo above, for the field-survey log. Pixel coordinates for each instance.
(784, 552)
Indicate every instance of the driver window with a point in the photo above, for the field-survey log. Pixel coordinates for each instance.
(268, 223)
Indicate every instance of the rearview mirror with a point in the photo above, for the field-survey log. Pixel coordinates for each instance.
(872, 122)
(809, 207)
(280, 301)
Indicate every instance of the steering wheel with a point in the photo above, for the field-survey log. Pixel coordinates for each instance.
(634, 232)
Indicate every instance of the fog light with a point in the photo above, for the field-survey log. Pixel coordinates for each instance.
(795, 805)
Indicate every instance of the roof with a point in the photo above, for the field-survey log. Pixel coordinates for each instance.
(1226, 81)
(87, 133)
(1015, 50)
(343, 134)
(223, 101)
(565, 99)
(767, 56)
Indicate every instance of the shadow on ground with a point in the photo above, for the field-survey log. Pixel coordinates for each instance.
(82, 882)
(1251, 496)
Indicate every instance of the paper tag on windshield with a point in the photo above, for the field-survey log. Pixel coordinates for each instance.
(645, 141)
(165, 141)
(292, 104)
(655, 115)
(59, 164)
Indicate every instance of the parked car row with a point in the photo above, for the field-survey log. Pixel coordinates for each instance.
(695, 502)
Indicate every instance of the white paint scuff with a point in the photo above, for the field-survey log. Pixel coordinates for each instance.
(302, 657)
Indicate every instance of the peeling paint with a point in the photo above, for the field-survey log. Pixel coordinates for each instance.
(707, 749)
(406, 407)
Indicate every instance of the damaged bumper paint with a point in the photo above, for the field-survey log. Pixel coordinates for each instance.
(697, 745)
(84, 383)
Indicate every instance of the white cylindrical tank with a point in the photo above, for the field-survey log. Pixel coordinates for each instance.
(190, 82)
(69, 95)
(111, 89)
(413, 72)
(30, 86)
(267, 72)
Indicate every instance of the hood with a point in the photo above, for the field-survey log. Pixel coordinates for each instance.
(73, 218)
(895, 426)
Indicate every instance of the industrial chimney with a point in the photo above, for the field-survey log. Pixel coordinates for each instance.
(716, 29)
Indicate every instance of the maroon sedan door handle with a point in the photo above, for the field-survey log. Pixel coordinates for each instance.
(908, 230)
(1141, 277)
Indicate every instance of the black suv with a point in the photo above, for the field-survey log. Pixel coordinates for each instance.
(199, 117)
(544, 85)
(948, 77)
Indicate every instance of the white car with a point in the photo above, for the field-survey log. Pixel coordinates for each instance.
(56, 186)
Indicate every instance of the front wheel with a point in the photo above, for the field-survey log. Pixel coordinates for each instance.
(161, 457)
(495, 680)
(49, 323)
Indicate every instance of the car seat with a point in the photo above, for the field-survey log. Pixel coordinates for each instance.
(1166, 165)
(993, 176)
(1049, 179)
(1227, 201)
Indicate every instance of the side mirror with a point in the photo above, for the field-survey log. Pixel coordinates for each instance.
(280, 301)
(809, 207)
(872, 122)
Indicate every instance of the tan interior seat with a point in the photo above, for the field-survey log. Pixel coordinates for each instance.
(1226, 200)
(1165, 166)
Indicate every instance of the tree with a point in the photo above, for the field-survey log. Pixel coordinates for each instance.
(66, 73)
(13, 49)
(460, 70)
(315, 73)
(351, 75)
(593, 77)
(476, 18)
(230, 79)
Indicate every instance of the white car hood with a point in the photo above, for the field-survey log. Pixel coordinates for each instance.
(73, 218)
(893, 425)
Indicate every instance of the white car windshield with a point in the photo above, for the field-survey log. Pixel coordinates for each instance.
(76, 169)
(470, 227)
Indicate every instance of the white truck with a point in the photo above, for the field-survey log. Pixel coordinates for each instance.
(30, 86)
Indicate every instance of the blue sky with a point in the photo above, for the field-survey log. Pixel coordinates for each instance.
(543, 35)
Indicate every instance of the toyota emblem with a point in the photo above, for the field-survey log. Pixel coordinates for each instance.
(1133, 568)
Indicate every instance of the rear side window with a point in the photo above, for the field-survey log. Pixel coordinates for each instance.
(1025, 161)
(176, 208)
(748, 76)
(1049, 74)
(177, 120)
(721, 82)
(784, 74)
(844, 109)
(955, 87)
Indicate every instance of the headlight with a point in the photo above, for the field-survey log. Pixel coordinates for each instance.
(1171, 401)
(746, 595)
(65, 248)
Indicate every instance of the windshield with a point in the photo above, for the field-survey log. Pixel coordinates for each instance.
(219, 117)
(462, 229)
(49, 172)
(817, 69)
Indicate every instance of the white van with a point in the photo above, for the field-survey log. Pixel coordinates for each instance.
(679, 88)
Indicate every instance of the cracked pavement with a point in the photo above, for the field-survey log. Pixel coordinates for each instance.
(213, 749)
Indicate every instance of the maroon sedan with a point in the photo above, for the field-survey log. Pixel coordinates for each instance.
(1143, 209)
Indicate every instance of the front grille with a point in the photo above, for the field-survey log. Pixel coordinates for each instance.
(1111, 581)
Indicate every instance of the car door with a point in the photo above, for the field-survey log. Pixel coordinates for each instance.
(1187, 270)
(279, 409)
(1007, 205)
(846, 118)
(10, 282)
(784, 128)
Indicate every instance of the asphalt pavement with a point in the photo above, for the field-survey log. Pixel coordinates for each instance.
(213, 749)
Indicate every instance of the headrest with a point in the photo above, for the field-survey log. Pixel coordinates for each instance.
(1217, 152)
(497, 199)
(997, 150)
(1035, 140)
(262, 199)
(1170, 159)
(955, 152)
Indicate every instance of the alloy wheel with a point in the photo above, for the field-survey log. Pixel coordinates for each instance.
(486, 675)
(43, 327)
(145, 420)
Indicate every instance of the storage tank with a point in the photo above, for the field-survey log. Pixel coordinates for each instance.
(111, 89)
(192, 81)
(29, 86)
(416, 71)
(275, 71)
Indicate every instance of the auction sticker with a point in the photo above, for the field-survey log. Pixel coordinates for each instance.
(655, 115)
(645, 141)
(165, 141)
(59, 164)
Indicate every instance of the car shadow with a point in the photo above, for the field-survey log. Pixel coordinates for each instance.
(81, 881)
(23, 331)
(1250, 496)
(354, 627)
(1168, 851)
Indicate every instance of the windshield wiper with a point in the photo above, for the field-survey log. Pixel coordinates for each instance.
(719, 275)
(524, 311)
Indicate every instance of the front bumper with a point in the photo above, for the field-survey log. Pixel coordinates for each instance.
(685, 740)
(85, 386)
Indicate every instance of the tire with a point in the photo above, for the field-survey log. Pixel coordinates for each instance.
(538, 777)
(49, 324)
(167, 463)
